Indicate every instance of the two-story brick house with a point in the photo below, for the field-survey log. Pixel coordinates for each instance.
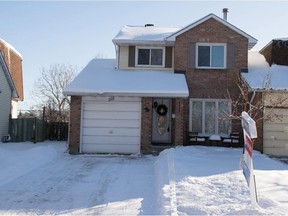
(164, 83)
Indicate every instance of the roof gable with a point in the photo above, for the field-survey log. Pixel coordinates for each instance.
(251, 40)
(8, 76)
(13, 60)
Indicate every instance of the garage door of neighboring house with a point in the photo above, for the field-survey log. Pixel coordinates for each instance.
(111, 125)
(275, 132)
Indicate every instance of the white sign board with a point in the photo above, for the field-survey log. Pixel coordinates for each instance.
(249, 132)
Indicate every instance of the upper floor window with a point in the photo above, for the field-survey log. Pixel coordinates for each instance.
(150, 57)
(211, 56)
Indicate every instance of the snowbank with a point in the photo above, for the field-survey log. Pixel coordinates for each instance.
(207, 180)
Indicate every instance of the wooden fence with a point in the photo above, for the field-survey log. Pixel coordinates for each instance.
(57, 131)
(36, 130)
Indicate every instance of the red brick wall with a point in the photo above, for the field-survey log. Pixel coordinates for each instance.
(276, 53)
(267, 52)
(146, 125)
(211, 83)
(14, 63)
(179, 121)
(74, 125)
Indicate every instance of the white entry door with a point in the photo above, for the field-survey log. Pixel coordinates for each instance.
(161, 121)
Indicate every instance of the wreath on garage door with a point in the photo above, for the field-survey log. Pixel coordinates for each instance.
(162, 110)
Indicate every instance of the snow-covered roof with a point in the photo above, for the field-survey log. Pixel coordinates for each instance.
(11, 47)
(251, 40)
(164, 35)
(141, 34)
(261, 76)
(100, 77)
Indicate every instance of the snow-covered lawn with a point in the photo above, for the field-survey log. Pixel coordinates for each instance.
(43, 178)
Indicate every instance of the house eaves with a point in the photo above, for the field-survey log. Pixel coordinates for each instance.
(251, 40)
(9, 46)
(15, 94)
(271, 42)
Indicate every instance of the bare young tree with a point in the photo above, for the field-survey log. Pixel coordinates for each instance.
(48, 90)
(254, 103)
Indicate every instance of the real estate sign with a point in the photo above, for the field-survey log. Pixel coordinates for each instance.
(249, 132)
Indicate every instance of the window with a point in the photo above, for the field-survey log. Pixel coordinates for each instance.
(150, 57)
(210, 116)
(211, 56)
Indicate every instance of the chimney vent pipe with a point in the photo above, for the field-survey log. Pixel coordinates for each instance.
(225, 12)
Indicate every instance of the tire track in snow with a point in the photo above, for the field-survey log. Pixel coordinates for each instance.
(42, 189)
(172, 183)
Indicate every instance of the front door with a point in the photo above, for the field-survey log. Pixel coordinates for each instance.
(161, 121)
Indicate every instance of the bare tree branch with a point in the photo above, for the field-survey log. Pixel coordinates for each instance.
(48, 88)
(256, 103)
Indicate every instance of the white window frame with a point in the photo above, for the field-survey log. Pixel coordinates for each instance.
(211, 45)
(149, 65)
(203, 100)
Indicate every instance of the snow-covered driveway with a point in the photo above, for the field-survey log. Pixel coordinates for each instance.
(44, 179)
(80, 185)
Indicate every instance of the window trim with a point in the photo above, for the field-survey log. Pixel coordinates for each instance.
(204, 100)
(211, 45)
(149, 65)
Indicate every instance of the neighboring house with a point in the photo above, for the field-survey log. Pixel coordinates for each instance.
(268, 79)
(164, 83)
(11, 84)
(13, 61)
(8, 93)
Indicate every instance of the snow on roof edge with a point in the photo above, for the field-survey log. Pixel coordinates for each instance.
(11, 47)
(100, 78)
(252, 41)
(9, 77)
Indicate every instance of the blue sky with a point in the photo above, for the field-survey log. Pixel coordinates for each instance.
(74, 32)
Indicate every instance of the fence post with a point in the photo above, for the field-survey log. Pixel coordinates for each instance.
(35, 129)
(44, 129)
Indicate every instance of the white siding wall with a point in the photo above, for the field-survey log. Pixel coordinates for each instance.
(275, 136)
(123, 57)
(5, 104)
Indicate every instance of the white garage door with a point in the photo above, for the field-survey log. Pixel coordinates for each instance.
(275, 132)
(111, 125)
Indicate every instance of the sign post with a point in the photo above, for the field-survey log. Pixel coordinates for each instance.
(249, 132)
